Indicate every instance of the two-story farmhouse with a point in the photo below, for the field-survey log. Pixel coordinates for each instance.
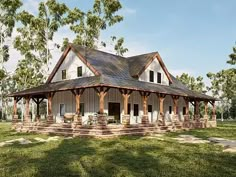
(89, 89)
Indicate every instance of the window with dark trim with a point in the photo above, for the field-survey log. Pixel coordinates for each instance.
(136, 110)
(79, 71)
(149, 108)
(170, 109)
(159, 78)
(184, 110)
(82, 109)
(151, 76)
(63, 74)
(62, 109)
(129, 108)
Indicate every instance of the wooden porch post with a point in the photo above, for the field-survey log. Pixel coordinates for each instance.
(50, 116)
(27, 118)
(206, 109)
(196, 110)
(145, 96)
(15, 115)
(186, 123)
(213, 111)
(78, 93)
(161, 116)
(175, 101)
(101, 91)
(126, 94)
(37, 101)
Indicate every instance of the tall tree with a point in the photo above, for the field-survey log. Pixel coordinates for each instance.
(195, 84)
(36, 33)
(223, 84)
(8, 9)
(88, 25)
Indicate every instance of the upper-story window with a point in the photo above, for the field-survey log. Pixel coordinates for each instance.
(63, 74)
(79, 71)
(151, 76)
(159, 78)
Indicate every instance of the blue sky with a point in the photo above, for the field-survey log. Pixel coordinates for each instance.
(191, 36)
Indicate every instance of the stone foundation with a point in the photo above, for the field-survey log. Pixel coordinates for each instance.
(37, 118)
(78, 119)
(101, 120)
(126, 120)
(213, 118)
(211, 124)
(197, 118)
(145, 119)
(161, 120)
(15, 119)
(50, 119)
(27, 119)
(186, 123)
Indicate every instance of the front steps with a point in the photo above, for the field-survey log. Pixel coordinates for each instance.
(68, 129)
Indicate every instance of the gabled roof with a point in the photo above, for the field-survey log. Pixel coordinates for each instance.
(138, 64)
(113, 71)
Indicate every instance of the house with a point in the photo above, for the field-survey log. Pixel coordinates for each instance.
(92, 87)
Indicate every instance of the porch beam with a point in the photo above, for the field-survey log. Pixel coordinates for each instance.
(27, 109)
(206, 107)
(175, 101)
(186, 100)
(50, 116)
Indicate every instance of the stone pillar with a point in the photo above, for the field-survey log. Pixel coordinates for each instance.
(101, 91)
(27, 117)
(126, 117)
(161, 116)
(50, 115)
(145, 96)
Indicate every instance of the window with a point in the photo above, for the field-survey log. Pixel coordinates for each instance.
(62, 109)
(81, 109)
(184, 110)
(170, 109)
(151, 76)
(149, 108)
(79, 71)
(129, 108)
(63, 74)
(136, 110)
(159, 78)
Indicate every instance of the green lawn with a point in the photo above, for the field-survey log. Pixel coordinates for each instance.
(125, 156)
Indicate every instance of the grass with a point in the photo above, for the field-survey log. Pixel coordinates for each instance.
(124, 156)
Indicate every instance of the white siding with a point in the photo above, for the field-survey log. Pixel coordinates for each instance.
(91, 104)
(70, 64)
(156, 67)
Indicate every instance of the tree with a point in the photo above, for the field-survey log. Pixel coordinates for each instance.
(8, 9)
(223, 84)
(195, 84)
(35, 34)
(232, 57)
(88, 25)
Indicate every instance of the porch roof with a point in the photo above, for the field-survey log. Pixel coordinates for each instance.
(176, 88)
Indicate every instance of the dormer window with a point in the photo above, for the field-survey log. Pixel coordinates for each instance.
(151, 76)
(159, 78)
(63, 74)
(79, 71)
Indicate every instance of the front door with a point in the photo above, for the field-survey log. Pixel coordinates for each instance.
(114, 110)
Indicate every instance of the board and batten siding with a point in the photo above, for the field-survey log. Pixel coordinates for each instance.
(156, 67)
(91, 104)
(70, 64)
